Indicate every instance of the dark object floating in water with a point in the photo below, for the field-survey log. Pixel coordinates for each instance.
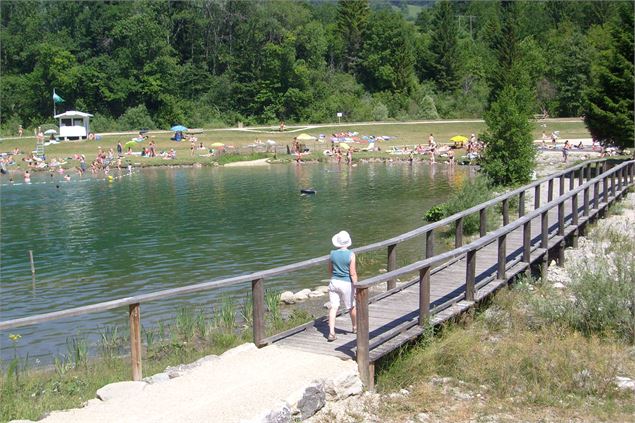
(308, 191)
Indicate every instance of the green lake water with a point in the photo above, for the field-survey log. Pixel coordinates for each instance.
(94, 240)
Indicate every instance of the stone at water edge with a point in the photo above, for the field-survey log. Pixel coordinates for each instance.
(301, 296)
(316, 294)
(287, 297)
(312, 401)
(322, 288)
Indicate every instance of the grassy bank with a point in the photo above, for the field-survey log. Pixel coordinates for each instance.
(538, 352)
(29, 391)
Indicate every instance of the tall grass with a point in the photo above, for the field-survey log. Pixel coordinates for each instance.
(272, 300)
(226, 316)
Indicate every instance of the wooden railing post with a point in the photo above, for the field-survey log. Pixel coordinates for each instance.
(521, 204)
(561, 185)
(363, 355)
(470, 275)
(458, 236)
(502, 257)
(134, 317)
(527, 245)
(258, 298)
(550, 190)
(596, 195)
(605, 186)
(620, 176)
(392, 265)
(613, 184)
(544, 243)
(424, 296)
(571, 180)
(586, 201)
(482, 225)
(429, 243)
(505, 212)
(576, 232)
(537, 197)
(581, 175)
(561, 244)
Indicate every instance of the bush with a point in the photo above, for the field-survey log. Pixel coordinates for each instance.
(436, 213)
(136, 118)
(471, 194)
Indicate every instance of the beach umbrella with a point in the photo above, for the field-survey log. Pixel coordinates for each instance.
(178, 128)
(50, 132)
(130, 144)
(218, 144)
(458, 138)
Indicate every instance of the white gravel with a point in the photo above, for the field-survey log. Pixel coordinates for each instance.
(238, 386)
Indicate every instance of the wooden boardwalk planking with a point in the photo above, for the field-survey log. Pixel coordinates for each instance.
(401, 309)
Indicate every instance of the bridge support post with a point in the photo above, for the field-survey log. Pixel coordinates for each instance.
(482, 225)
(575, 221)
(363, 355)
(458, 235)
(505, 212)
(424, 296)
(581, 175)
(561, 244)
(571, 180)
(596, 199)
(585, 211)
(605, 192)
(429, 244)
(537, 197)
(550, 190)
(521, 204)
(527, 246)
(258, 298)
(392, 265)
(620, 177)
(134, 317)
(502, 257)
(544, 244)
(470, 275)
(561, 185)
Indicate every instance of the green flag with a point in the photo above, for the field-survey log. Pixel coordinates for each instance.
(57, 99)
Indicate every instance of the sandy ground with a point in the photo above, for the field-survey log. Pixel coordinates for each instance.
(238, 386)
(259, 162)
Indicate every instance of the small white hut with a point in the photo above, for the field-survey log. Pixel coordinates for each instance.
(74, 125)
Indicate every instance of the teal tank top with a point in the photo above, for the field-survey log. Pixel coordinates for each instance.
(341, 260)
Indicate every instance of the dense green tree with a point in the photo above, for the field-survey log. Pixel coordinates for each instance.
(387, 59)
(352, 23)
(609, 98)
(444, 47)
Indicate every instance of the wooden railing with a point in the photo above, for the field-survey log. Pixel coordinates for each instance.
(620, 177)
(257, 279)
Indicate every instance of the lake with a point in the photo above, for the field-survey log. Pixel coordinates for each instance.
(95, 240)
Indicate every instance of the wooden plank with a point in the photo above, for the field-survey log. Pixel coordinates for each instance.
(134, 317)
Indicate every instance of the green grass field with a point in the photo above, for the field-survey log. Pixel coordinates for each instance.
(237, 141)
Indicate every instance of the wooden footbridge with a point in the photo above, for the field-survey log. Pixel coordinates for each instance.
(552, 213)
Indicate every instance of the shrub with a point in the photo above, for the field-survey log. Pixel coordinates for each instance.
(436, 213)
(471, 194)
(136, 118)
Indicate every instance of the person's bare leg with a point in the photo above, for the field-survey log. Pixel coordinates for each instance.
(332, 315)
(353, 313)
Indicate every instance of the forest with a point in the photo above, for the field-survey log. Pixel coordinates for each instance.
(206, 63)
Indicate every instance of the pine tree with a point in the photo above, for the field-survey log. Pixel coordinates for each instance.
(609, 98)
(352, 22)
(444, 47)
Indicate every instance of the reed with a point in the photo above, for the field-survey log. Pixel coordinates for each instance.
(226, 319)
(247, 310)
(272, 300)
(185, 323)
(110, 341)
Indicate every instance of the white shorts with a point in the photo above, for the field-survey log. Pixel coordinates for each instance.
(343, 290)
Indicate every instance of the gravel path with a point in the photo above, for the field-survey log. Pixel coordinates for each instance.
(241, 385)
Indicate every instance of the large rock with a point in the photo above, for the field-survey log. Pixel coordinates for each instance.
(239, 349)
(280, 414)
(120, 389)
(157, 378)
(312, 401)
(287, 297)
(302, 295)
(322, 288)
(316, 294)
(344, 386)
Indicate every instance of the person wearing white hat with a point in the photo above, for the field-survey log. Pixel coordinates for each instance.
(343, 273)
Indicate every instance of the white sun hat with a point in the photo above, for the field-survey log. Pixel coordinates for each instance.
(341, 239)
